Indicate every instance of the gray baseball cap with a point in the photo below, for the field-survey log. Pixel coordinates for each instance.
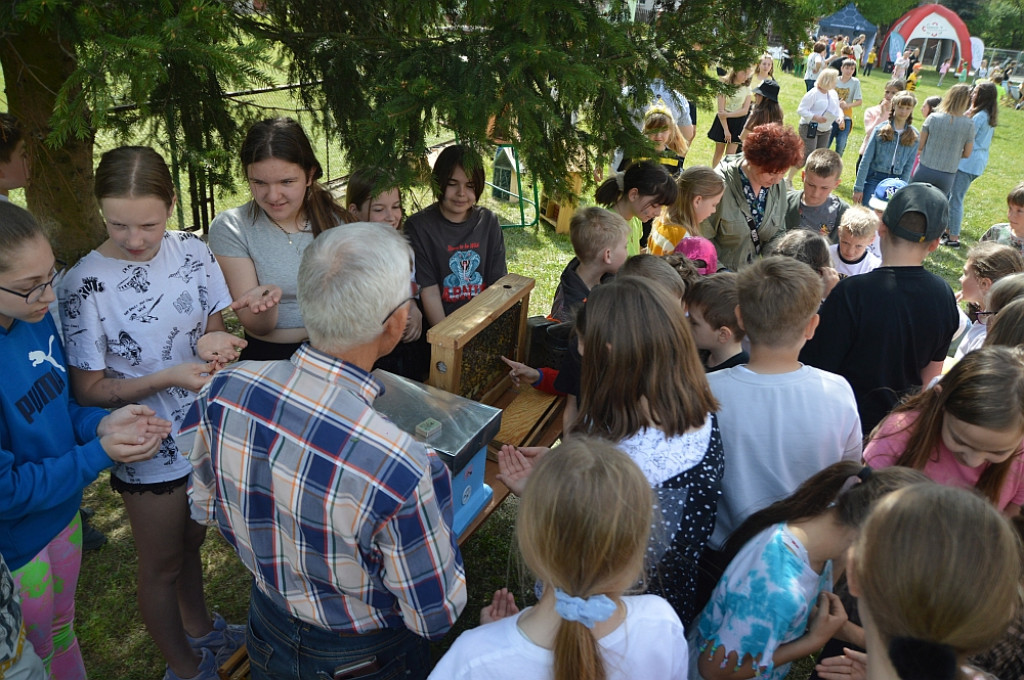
(920, 198)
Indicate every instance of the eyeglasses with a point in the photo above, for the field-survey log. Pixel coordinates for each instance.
(983, 317)
(415, 287)
(36, 293)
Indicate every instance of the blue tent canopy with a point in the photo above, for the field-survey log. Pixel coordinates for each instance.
(848, 21)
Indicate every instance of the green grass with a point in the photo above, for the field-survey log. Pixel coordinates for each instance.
(113, 638)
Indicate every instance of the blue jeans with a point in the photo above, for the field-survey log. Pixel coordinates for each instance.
(961, 183)
(282, 647)
(840, 136)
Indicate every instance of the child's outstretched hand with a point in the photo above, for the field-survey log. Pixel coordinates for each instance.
(125, 447)
(827, 617)
(850, 665)
(189, 375)
(521, 371)
(220, 347)
(259, 299)
(516, 463)
(134, 419)
(502, 605)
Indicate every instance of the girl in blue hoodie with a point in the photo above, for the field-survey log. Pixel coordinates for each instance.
(50, 447)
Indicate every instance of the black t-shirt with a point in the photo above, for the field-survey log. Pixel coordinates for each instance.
(460, 258)
(735, 360)
(568, 380)
(837, 64)
(879, 330)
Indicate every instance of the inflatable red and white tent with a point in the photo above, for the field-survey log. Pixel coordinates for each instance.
(931, 22)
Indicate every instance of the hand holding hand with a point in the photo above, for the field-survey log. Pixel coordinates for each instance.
(259, 299)
(520, 371)
(134, 419)
(220, 347)
(502, 605)
(516, 463)
(125, 447)
(851, 665)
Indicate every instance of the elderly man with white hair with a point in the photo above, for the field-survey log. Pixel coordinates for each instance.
(343, 518)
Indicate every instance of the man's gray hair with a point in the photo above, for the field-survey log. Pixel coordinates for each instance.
(350, 279)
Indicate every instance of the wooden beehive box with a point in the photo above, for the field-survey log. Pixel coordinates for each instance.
(466, 348)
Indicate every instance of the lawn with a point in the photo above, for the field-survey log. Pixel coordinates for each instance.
(113, 638)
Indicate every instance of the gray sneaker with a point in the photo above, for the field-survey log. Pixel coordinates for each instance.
(207, 669)
(222, 641)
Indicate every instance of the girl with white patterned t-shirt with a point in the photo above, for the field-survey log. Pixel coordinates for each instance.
(142, 323)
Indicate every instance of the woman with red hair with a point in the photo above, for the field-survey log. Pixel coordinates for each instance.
(752, 211)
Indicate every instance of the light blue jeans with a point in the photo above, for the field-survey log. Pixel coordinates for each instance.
(961, 183)
(840, 136)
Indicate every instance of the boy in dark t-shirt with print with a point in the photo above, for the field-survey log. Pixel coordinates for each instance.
(459, 246)
(816, 208)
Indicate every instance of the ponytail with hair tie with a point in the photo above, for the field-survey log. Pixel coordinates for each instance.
(649, 177)
(916, 659)
(586, 610)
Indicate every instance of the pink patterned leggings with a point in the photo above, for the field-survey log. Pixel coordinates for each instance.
(47, 586)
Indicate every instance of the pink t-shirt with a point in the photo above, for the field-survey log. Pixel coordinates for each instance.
(891, 439)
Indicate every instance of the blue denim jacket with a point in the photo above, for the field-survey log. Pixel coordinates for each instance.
(890, 158)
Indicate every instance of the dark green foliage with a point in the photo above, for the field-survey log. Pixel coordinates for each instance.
(1004, 24)
(387, 75)
(550, 71)
(155, 67)
(885, 12)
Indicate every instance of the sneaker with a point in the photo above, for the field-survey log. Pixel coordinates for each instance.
(944, 239)
(207, 669)
(222, 641)
(952, 244)
(92, 538)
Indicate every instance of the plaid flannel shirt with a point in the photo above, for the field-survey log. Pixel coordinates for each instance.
(343, 518)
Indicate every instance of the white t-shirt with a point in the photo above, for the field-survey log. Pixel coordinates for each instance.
(650, 643)
(778, 430)
(866, 263)
(132, 319)
(974, 339)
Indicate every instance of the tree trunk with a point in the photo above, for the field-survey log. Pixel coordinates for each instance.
(36, 64)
